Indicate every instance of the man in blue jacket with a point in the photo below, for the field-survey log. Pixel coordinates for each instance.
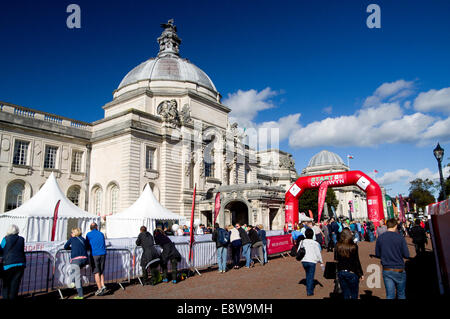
(97, 245)
(391, 248)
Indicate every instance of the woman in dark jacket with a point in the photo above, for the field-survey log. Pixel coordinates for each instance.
(256, 243)
(150, 257)
(12, 249)
(169, 253)
(78, 259)
(348, 265)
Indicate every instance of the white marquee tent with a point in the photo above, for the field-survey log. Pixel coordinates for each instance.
(35, 217)
(144, 212)
(303, 218)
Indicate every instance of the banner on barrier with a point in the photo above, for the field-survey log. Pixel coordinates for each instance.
(278, 244)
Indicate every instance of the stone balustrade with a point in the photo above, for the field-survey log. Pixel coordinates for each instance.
(30, 113)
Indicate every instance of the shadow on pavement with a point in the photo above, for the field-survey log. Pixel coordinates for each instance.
(421, 277)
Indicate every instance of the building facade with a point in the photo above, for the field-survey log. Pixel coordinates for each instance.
(165, 126)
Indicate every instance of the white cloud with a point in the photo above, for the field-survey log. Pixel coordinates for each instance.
(369, 127)
(395, 90)
(405, 176)
(245, 106)
(394, 177)
(433, 100)
(377, 122)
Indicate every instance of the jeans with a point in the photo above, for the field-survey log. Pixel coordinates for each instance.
(265, 253)
(11, 282)
(75, 274)
(394, 281)
(310, 269)
(334, 238)
(222, 255)
(260, 252)
(236, 252)
(246, 251)
(349, 283)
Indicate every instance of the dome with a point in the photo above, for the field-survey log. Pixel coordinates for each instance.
(325, 158)
(168, 66)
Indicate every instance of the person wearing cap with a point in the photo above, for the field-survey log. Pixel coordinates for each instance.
(97, 246)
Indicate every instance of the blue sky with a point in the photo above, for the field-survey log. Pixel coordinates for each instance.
(312, 68)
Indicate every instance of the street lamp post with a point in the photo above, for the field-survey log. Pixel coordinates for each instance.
(439, 154)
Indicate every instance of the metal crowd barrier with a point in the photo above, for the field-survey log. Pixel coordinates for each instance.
(117, 269)
(183, 249)
(44, 272)
(38, 274)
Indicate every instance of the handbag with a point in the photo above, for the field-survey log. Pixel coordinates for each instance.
(300, 252)
(330, 270)
(337, 287)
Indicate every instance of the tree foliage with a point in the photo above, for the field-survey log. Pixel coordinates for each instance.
(420, 192)
(309, 201)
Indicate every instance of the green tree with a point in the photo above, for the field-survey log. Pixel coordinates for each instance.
(420, 192)
(309, 201)
(446, 186)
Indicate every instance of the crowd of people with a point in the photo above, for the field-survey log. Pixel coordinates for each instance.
(333, 235)
(341, 236)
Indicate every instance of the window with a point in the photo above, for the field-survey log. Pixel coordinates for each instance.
(191, 174)
(50, 156)
(98, 201)
(247, 174)
(73, 194)
(20, 152)
(14, 195)
(150, 158)
(77, 156)
(209, 165)
(114, 200)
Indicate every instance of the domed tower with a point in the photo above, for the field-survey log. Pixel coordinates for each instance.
(147, 134)
(324, 162)
(352, 200)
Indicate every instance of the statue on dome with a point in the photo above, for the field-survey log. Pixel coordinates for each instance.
(169, 41)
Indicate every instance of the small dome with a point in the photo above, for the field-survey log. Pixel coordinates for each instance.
(325, 158)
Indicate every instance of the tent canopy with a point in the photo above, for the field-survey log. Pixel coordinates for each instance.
(303, 218)
(35, 217)
(144, 212)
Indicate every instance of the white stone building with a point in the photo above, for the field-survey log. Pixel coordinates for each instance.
(326, 162)
(165, 126)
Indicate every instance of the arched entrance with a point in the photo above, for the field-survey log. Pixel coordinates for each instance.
(374, 198)
(239, 212)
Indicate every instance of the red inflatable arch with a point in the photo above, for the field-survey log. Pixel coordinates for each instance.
(358, 178)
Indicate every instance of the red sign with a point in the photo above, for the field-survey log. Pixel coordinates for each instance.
(216, 207)
(322, 195)
(279, 244)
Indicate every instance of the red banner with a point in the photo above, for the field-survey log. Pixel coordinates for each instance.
(322, 195)
(216, 207)
(55, 220)
(279, 244)
(191, 235)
